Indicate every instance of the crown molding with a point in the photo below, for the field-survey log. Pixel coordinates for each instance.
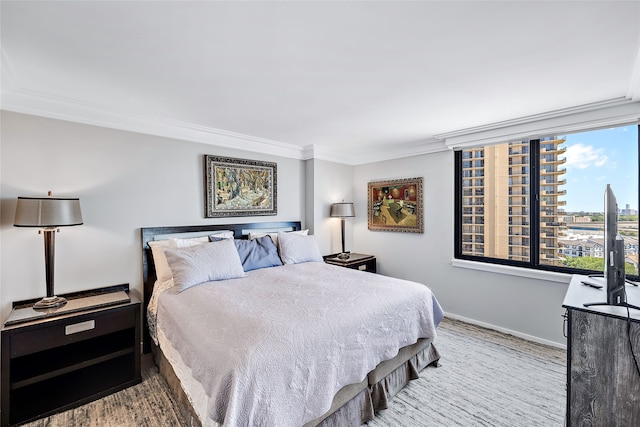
(602, 114)
(323, 153)
(58, 107)
(48, 105)
(402, 150)
(361, 156)
(589, 116)
(534, 118)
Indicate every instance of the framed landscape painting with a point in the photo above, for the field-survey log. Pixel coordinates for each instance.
(239, 187)
(396, 205)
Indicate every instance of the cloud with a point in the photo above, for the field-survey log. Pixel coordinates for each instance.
(585, 156)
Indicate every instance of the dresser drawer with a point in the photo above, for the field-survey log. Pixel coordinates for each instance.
(66, 331)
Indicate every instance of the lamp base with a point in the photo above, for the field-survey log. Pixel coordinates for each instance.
(49, 302)
(344, 255)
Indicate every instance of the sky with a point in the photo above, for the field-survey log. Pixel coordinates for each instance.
(597, 158)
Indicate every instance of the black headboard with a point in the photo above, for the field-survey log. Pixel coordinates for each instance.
(240, 231)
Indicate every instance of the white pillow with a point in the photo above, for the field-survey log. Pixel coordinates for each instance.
(204, 263)
(185, 243)
(298, 248)
(163, 272)
(274, 236)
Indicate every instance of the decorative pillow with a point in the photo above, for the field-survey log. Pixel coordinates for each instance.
(163, 271)
(298, 248)
(204, 263)
(257, 253)
(274, 236)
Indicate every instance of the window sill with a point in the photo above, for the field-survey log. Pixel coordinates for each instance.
(549, 276)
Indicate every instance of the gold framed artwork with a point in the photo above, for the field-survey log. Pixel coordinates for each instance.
(239, 187)
(396, 205)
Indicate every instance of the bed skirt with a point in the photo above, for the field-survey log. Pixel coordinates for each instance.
(354, 404)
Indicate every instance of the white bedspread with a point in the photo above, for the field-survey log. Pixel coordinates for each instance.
(273, 348)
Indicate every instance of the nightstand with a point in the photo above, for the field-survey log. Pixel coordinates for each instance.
(56, 360)
(360, 262)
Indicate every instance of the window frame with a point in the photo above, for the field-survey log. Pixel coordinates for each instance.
(534, 209)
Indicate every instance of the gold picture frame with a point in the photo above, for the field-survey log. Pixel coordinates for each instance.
(396, 205)
(239, 187)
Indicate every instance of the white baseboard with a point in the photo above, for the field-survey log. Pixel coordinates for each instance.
(506, 331)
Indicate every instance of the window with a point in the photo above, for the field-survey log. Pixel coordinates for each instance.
(543, 199)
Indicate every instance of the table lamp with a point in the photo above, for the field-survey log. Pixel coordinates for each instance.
(48, 214)
(342, 211)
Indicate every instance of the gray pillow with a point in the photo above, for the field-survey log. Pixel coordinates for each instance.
(204, 263)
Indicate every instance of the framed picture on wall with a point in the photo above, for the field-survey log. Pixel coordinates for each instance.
(239, 187)
(396, 205)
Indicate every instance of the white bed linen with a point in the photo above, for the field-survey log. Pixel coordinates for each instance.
(274, 347)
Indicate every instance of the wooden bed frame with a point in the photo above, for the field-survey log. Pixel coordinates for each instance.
(354, 404)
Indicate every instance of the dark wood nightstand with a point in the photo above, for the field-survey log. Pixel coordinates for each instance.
(360, 262)
(60, 361)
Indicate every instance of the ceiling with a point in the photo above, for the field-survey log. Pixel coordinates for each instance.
(352, 82)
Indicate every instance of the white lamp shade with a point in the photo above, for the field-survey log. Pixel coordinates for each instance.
(342, 210)
(47, 212)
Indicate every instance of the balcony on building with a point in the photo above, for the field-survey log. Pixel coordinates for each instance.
(553, 161)
(553, 147)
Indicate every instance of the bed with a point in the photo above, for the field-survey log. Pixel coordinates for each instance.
(300, 344)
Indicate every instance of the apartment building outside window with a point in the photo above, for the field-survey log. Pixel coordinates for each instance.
(540, 199)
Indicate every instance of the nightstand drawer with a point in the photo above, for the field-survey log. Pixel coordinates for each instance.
(66, 331)
(355, 261)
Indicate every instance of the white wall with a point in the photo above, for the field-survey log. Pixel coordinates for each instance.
(529, 307)
(328, 183)
(125, 181)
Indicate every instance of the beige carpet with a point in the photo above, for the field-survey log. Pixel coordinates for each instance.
(485, 379)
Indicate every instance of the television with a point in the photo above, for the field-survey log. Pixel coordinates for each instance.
(614, 274)
(614, 265)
